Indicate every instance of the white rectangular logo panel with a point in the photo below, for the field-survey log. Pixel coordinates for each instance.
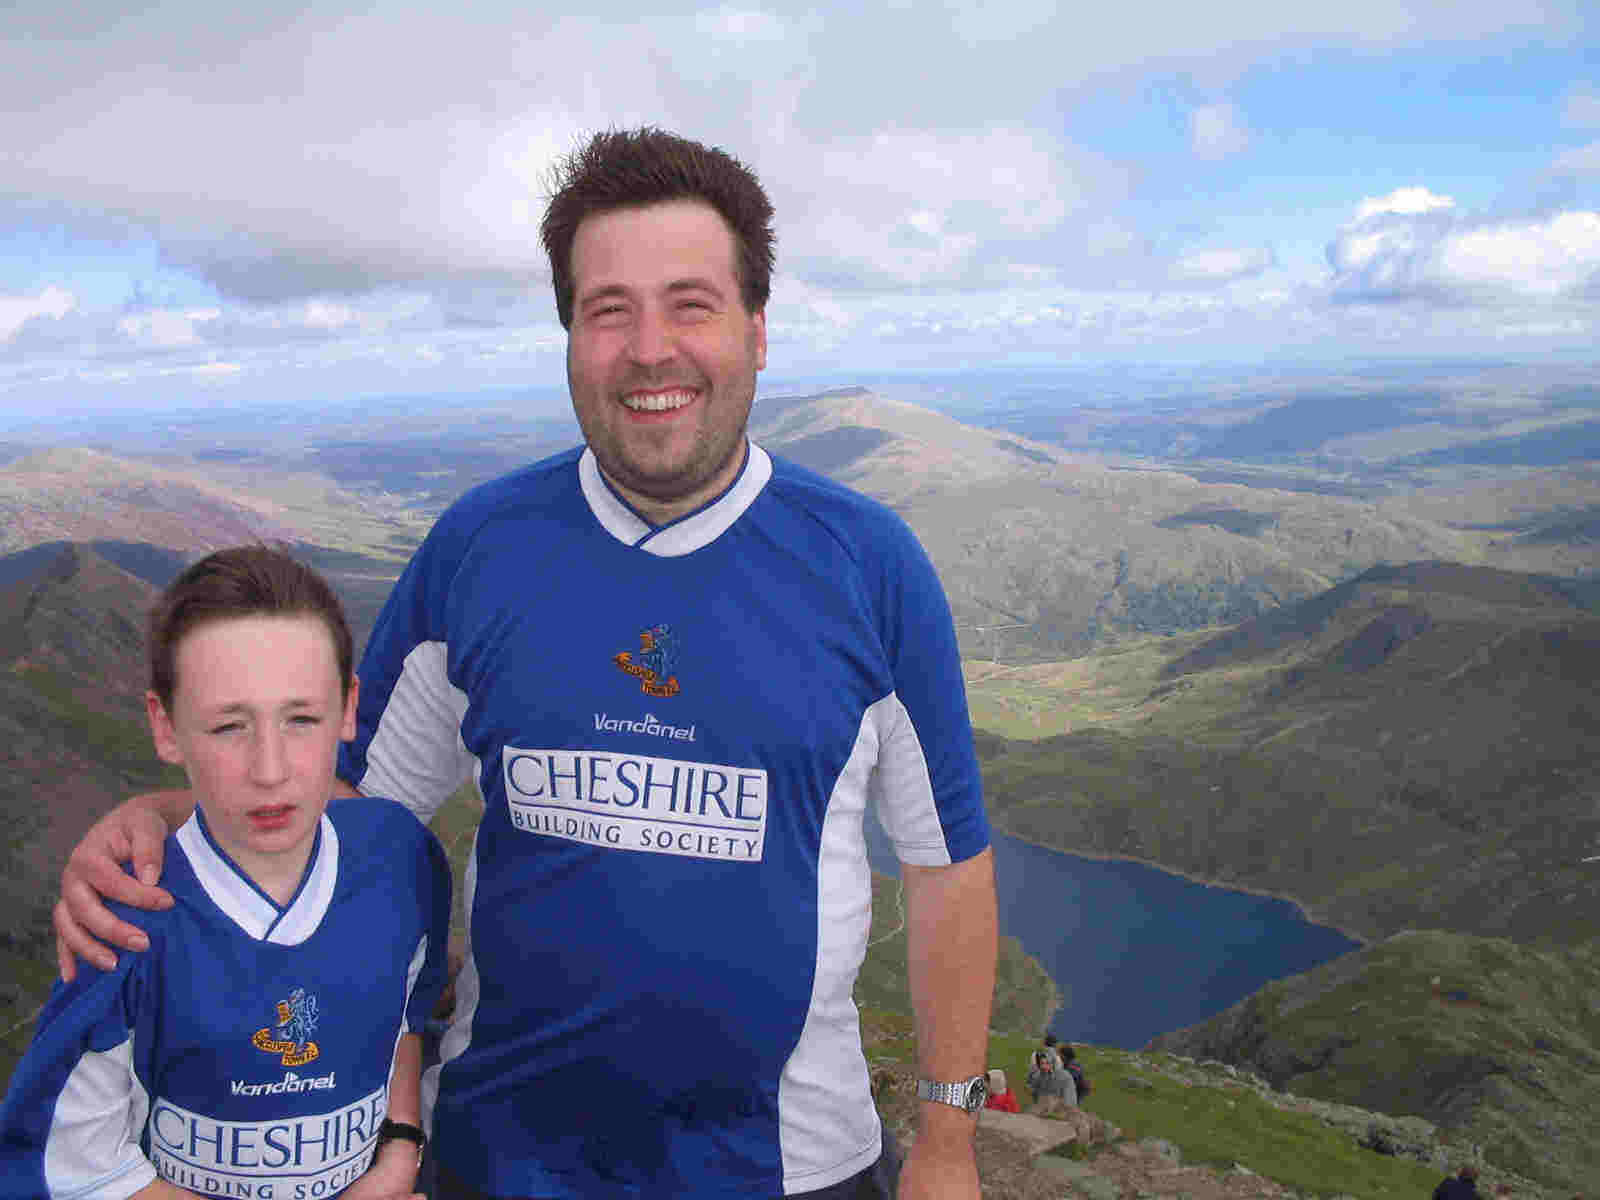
(636, 802)
(293, 1158)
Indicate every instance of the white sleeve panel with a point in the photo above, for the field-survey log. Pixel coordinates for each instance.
(412, 973)
(92, 1150)
(416, 756)
(828, 1128)
(902, 790)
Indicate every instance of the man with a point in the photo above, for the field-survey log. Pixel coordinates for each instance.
(678, 667)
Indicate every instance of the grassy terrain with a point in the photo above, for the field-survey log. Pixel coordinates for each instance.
(1211, 1118)
(1224, 1125)
(121, 743)
(1499, 1042)
(1123, 686)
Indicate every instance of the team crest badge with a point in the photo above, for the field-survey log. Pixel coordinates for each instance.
(653, 665)
(290, 1037)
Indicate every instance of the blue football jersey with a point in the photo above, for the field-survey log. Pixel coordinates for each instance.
(676, 731)
(247, 1053)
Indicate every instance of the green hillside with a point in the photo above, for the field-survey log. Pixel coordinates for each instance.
(1500, 1043)
(1411, 750)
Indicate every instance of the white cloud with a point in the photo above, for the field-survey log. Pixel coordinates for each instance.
(1556, 256)
(1420, 247)
(166, 329)
(1405, 201)
(1217, 131)
(907, 206)
(1222, 265)
(16, 311)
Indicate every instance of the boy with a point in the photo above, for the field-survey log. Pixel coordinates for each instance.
(265, 1047)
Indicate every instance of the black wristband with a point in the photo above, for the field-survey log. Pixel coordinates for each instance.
(399, 1131)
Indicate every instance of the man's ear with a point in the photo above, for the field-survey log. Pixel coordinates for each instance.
(161, 730)
(760, 335)
(347, 726)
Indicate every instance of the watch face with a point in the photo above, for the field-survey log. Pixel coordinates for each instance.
(977, 1093)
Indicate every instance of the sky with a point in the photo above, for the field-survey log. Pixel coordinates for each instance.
(214, 205)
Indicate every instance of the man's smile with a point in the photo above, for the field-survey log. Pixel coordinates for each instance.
(663, 401)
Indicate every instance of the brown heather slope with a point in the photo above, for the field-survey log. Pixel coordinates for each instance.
(72, 743)
(82, 495)
(1068, 550)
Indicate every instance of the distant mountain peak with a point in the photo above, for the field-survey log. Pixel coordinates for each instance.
(892, 448)
(64, 606)
(75, 494)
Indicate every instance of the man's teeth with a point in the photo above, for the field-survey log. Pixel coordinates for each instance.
(657, 401)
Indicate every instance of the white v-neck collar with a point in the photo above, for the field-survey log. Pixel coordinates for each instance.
(688, 533)
(246, 905)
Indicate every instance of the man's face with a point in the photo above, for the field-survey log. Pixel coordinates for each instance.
(662, 355)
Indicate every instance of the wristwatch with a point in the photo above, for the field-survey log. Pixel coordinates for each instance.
(399, 1131)
(968, 1095)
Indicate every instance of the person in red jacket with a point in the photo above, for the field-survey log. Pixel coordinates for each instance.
(1000, 1094)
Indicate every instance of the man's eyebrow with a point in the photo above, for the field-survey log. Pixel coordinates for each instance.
(691, 283)
(694, 283)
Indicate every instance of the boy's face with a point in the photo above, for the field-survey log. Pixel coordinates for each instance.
(257, 717)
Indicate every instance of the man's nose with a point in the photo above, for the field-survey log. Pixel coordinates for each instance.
(652, 341)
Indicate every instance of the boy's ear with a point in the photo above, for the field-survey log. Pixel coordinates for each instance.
(161, 731)
(347, 727)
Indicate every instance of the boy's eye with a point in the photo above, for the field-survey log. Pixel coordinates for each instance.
(305, 719)
(228, 727)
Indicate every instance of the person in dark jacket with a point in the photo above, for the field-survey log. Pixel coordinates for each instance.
(1069, 1063)
(1463, 1185)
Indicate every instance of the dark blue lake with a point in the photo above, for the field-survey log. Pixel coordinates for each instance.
(1137, 951)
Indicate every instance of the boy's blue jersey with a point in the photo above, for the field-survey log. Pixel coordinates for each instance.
(676, 731)
(248, 1051)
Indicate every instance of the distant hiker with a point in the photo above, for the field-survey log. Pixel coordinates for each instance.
(1069, 1061)
(1001, 1097)
(1045, 1079)
(1463, 1185)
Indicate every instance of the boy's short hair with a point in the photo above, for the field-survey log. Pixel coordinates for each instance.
(244, 581)
(639, 167)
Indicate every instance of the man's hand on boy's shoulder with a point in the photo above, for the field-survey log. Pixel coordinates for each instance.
(133, 833)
